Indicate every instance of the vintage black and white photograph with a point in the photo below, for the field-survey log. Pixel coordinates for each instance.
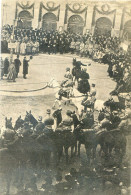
(65, 97)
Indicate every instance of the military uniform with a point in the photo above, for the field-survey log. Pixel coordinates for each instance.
(17, 63)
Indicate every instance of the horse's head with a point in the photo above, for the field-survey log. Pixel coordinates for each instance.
(19, 123)
(74, 61)
(8, 123)
(30, 118)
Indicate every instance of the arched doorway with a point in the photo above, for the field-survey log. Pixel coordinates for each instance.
(127, 31)
(103, 26)
(25, 20)
(49, 22)
(75, 24)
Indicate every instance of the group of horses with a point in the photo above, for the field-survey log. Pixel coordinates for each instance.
(20, 146)
(42, 145)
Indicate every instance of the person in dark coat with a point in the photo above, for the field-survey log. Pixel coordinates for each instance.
(58, 116)
(17, 63)
(6, 66)
(25, 67)
(40, 126)
(84, 74)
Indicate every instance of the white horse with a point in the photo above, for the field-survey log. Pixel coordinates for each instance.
(75, 98)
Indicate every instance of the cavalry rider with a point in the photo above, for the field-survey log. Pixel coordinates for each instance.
(68, 123)
(57, 115)
(68, 75)
(40, 126)
(76, 71)
(83, 84)
(115, 119)
(87, 120)
(106, 123)
(48, 122)
(93, 90)
(84, 74)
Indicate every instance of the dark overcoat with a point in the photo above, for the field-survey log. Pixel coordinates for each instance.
(17, 65)
(25, 66)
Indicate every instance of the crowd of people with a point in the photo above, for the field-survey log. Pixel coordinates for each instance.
(31, 41)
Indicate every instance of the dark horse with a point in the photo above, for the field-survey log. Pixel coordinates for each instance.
(29, 117)
(8, 123)
(76, 70)
(19, 123)
(88, 139)
(110, 141)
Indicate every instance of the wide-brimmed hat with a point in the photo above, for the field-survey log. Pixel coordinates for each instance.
(93, 85)
(67, 69)
(68, 112)
(48, 111)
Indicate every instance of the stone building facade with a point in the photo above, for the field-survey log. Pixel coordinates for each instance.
(78, 16)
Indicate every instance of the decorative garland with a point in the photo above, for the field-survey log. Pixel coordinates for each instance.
(75, 12)
(25, 6)
(105, 13)
(122, 18)
(49, 9)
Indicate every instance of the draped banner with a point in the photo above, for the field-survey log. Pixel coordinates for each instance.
(24, 7)
(75, 12)
(48, 9)
(124, 13)
(105, 10)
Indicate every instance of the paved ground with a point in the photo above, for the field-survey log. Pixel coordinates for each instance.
(42, 69)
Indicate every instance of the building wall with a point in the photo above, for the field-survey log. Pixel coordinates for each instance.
(9, 12)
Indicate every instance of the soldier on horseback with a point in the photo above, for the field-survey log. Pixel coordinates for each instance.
(40, 126)
(68, 123)
(48, 122)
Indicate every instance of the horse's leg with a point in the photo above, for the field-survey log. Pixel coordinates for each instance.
(94, 151)
(8, 183)
(76, 148)
(47, 156)
(72, 149)
(67, 156)
(60, 152)
(88, 154)
(79, 146)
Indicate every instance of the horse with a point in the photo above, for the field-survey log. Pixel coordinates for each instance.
(19, 152)
(88, 139)
(112, 104)
(19, 123)
(113, 141)
(8, 123)
(51, 143)
(101, 115)
(29, 117)
(76, 70)
(57, 116)
(68, 140)
(109, 141)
